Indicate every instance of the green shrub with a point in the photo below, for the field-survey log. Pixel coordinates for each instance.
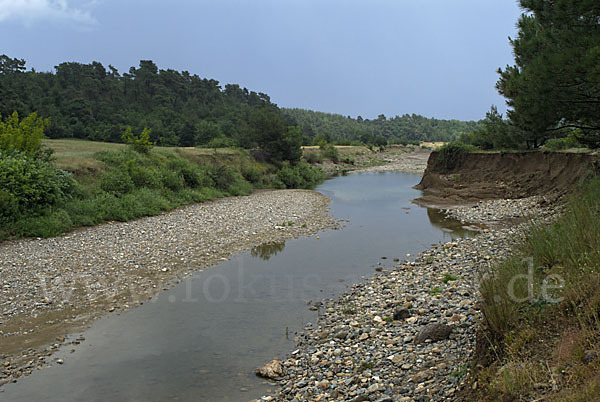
(452, 155)
(220, 142)
(301, 175)
(22, 136)
(143, 176)
(558, 144)
(9, 204)
(117, 182)
(140, 143)
(252, 173)
(28, 185)
(51, 224)
(172, 179)
(330, 152)
(314, 157)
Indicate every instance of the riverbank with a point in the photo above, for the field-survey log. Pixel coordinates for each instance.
(394, 158)
(52, 287)
(405, 334)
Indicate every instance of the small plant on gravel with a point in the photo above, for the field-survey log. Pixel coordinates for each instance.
(449, 278)
(349, 309)
(429, 260)
(460, 371)
(303, 225)
(388, 319)
(290, 223)
(435, 291)
(366, 366)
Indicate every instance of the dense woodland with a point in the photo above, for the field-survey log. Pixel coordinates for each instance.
(399, 129)
(92, 102)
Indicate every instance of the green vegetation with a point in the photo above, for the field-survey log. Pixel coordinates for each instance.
(405, 130)
(329, 151)
(542, 311)
(553, 88)
(139, 143)
(171, 108)
(22, 135)
(349, 309)
(451, 156)
(117, 182)
(366, 366)
(449, 278)
(435, 291)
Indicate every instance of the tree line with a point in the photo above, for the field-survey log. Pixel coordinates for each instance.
(90, 101)
(317, 126)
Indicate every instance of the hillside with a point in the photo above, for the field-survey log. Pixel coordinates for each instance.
(398, 129)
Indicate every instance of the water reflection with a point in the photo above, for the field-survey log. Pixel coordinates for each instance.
(458, 229)
(266, 250)
(202, 339)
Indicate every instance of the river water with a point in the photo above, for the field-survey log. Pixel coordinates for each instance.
(201, 340)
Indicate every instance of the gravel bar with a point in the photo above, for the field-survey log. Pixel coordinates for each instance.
(405, 334)
(50, 287)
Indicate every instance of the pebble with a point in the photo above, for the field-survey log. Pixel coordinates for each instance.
(381, 351)
(115, 266)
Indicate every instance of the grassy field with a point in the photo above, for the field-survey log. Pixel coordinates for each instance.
(114, 182)
(77, 156)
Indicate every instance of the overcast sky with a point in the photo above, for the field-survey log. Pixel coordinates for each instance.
(437, 58)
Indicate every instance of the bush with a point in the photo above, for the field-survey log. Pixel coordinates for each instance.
(28, 185)
(116, 182)
(301, 175)
(51, 224)
(226, 178)
(252, 172)
(314, 157)
(139, 143)
(452, 155)
(220, 142)
(22, 136)
(144, 176)
(558, 144)
(330, 152)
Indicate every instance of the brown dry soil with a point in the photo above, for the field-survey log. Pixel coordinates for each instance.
(512, 175)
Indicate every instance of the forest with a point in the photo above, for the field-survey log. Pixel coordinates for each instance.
(89, 101)
(316, 126)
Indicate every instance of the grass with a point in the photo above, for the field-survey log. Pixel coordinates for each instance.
(76, 156)
(449, 278)
(114, 183)
(541, 312)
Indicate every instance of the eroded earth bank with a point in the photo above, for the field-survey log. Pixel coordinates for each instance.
(409, 333)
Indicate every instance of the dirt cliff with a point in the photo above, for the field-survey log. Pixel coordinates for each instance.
(505, 175)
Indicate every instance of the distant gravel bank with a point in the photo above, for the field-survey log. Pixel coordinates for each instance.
(52, 286)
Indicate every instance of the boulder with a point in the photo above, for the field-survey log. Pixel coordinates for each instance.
(272, 370)
(401, 314)
(435, 332)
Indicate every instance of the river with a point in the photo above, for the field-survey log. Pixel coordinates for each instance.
(201, 340)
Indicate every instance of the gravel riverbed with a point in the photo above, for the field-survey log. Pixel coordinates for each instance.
(406, 334)
(51, 287)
